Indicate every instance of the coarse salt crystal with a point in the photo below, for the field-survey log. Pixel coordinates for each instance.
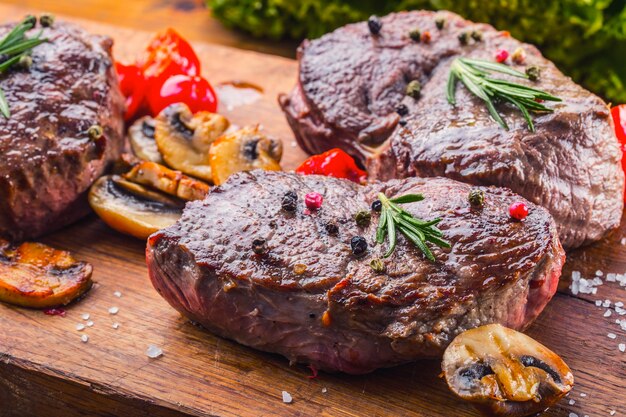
(154, 352)
(606, 303)
(621, 311)
(582, 394)
(598, 303)
(85, 316)
(599, 273)
(613, 412)
(80, 327)
(619, 304)
(623, 241)
(622, 347)
(114, 310)
(572, 402)
(610, 277)
(116, 326)
(607, 313)
(573, 415)
(611, 335)
(117, 294)
(324, 390)
(84, 338)
(287, 399)
(89, 323)
(623, 325)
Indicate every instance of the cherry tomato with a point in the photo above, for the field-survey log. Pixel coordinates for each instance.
(619, 118)
(168, 54)
(132, 85)
(333, 163)
(194, 91)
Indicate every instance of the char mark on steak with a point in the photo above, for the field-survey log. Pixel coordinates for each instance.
(307, 297)
(351, 83)
(47, 160)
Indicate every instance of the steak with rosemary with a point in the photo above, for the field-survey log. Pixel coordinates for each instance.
(48, 159)
(286, 280)
(352, 93)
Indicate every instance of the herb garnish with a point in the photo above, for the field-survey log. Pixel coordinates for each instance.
(13, 47)
(474, 74)
(394, 219)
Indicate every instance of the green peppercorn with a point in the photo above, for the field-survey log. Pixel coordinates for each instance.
(415, 35)
(414, 89)
(377, 265)
(477, 35)
(533, 73)
(95, 132)
(46, 20)
(363, 218)
(25, 62)
(440, 22)
(464, 38)
(476, 198)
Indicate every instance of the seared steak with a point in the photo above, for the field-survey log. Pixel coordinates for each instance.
(306, 296)
(351, 83)
(47, 160)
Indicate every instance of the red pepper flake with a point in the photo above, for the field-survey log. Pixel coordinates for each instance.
(505, 33)
(502, 55)
(326, 319)
(313, 200)
(313, 371)
(426, 38)
(54, 312)
(518, 210)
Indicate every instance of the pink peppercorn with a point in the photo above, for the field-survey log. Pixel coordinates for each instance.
(518, 210)
(502, 55)
(313, 200)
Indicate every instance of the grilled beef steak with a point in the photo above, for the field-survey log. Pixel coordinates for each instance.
(47, 159)
(351, 93)
(287, 281)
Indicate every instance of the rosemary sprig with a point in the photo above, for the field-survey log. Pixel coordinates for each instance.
(474, 74)
(13, 47)
(394, 219)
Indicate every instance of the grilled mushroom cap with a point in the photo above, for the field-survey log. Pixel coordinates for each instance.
(38, 276)
(184, 139)
(244, 150)
(141, 138)
(504, 372)
(131, 208)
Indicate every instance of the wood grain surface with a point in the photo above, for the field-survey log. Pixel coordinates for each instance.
(45, 369)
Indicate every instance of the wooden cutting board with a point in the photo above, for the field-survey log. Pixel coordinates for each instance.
(45, 369)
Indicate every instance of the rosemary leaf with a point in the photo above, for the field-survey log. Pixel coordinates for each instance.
(391, 234)
(407, 198)
(4, 106)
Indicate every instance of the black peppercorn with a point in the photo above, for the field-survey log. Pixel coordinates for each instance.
(533, 73)
(331, 228)
(477, 35)
(258, 246)
(476, 198)
(290, 201)
(440, 22)
(402, 109)
(414, 89)
(374, 24)
(402, 122)
(464, 38)
(377, 206)
(362, 218)
(358, 244)
(46, 20)
(415, 35)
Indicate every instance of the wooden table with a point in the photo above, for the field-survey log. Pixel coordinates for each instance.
(45, 369)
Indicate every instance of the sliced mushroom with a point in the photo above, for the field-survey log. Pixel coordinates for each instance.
(169, 181)
(38, 276)
(132, 208)
(184, 139)
(504, 372)
(244, 150)
(141, 137)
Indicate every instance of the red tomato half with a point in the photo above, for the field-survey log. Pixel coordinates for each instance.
(334, 163)
(194, 91)
(619, 118)
(132, 85)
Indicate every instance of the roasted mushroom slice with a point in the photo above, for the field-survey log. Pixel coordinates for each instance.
(141, 137)
(167, 180)
(504, 372)
(184, 139)
(132, 208)
(244, 150)
(38, 276)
